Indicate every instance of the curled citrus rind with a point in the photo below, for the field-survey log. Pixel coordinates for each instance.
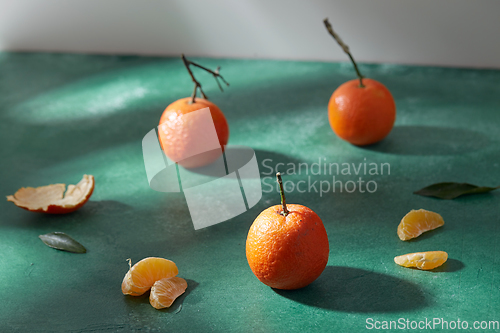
(55, 198)
(165, 291)
(422, 260)
(417, 222)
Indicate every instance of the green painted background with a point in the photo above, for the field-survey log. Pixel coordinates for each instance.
(65, 115)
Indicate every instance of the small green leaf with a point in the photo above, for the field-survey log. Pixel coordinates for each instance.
(452, 190)
(61, 241)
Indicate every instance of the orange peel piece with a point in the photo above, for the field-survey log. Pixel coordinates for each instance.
(422, 260)
(55, 198)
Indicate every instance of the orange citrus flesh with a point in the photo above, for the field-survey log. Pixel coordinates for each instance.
(422, 260)
(141, 277)
(52, 199)
(417, 222)
(165, 291)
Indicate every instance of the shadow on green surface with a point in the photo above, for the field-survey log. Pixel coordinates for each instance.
(269, 163)
(451, 265)
(430, 140)
(27, 219)
(126, 122)
(266, 160)
(471, 197)
(263, 155)
(427, 235)
(45, 74)
(102, 207)
(176, 306)
(357, 290)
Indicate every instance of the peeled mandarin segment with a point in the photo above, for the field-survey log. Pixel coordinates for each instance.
(141, 277)
(165, 291)
(128, 288)
(52, 199)
(422, 260)
(417, 222)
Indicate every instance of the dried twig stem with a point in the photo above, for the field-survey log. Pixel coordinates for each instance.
(197, 84)
(345, 48)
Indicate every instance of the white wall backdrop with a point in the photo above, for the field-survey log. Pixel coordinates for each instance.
(431, 32)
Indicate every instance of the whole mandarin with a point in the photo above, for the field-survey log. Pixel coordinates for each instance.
(287, 245)
(362, 115)
(287, 252)
(179, 138)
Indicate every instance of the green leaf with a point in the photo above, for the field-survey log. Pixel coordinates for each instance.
(452, 190)
(61, 241)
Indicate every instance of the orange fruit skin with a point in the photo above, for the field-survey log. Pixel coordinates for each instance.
(58, 209)
(179, 138)
(287, 252)
(416, 222)
(362, 116)
(422, 260)
(55, 209)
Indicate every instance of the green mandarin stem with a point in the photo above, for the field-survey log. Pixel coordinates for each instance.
(285, 211)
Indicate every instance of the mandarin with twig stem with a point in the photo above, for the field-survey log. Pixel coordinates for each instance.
(183, 132)
(360, 111)
(287, 245)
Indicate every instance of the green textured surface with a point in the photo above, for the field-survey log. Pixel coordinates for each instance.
(65, 115)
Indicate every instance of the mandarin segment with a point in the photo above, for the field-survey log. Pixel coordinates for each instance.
(417, 222)
(422, 260)
(141, 277)
(165, 291)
